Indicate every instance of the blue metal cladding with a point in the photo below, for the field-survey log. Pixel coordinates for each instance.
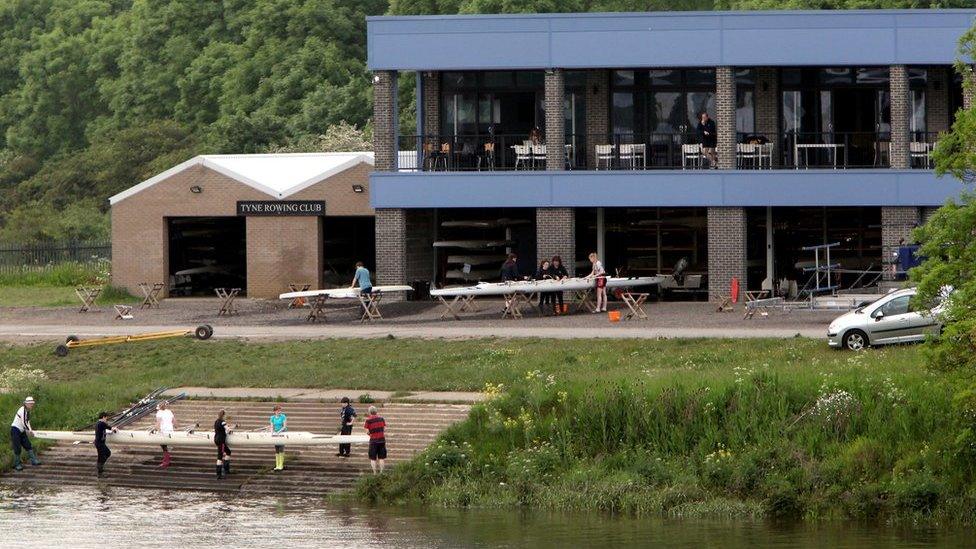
(666, 39)
(661, 188)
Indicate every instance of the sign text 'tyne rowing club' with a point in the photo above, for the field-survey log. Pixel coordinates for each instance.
(280, 207)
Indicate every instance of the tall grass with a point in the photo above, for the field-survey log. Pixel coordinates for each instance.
(854, 442)
(62, 274)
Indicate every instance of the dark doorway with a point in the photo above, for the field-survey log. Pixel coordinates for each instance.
(856, 121)
(517, 113)
(206, 253)
(346, 240)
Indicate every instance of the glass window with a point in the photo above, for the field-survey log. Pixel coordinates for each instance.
(699, 102)
(700, 77)
(575, 79)
(917, 76)
(530, 79)
(623, 112)
(883, 116)
(664, 77)
(745, 114)
(664, 113)
(917, 123)
(623, 78)
(826, 112)
(464, 113)
(459, 80)
(792, 111)
(835, 76)
(897, 306)
(745, 77)
(499, 79)
(873, 76)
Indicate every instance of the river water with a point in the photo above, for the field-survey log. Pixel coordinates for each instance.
(118, 517)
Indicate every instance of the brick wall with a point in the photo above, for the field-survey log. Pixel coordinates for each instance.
(896, 223)
(597, 112)
(900, 116)
(432, 103)
(726, 249)
(140, 239)
(384, 120)
(767, 101)
(937, 99)
(725, 116)
(555, 230)
(555, 131)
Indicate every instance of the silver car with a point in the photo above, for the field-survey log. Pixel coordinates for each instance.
(890, 319)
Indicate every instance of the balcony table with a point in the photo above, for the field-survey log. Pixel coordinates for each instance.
(834, 148)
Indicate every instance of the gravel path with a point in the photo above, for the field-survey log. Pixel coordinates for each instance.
(271, 320)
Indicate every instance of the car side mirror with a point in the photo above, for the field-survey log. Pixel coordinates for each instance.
(878, 315)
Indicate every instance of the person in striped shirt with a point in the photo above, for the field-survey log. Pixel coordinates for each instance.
(377, 440)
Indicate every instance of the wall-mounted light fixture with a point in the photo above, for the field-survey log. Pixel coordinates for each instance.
(376, 79)
(357, 188)
(196, 189)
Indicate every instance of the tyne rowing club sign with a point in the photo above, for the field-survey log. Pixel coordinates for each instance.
(280, 208)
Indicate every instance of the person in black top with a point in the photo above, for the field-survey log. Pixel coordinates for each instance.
(510, 270)
(557, 271)
(708, 138)
(542, 273)
(100, 431)
(220, 439)
(347, 415)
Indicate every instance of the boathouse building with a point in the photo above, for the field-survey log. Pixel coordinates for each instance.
(561, 134)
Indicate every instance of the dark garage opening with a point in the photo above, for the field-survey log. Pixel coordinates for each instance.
(206, 253)
(346, 240)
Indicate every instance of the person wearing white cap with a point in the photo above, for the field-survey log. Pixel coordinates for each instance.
(19, 430)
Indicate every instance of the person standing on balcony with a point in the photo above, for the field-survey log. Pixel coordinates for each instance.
(708, 137)
(535, 136)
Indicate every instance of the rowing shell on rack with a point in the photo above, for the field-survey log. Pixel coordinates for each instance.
(145, 438)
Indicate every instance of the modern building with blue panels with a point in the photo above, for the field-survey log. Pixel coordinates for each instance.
(562, 134)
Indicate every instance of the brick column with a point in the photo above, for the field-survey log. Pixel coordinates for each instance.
(432, 103)
(937, 99)
(726, 250)
(555, 234)
(900, 117)
(555, 120)
(391, 246)
(597, 113)
(385, 120)
(897, 223)
(767, 100)
(725, 116)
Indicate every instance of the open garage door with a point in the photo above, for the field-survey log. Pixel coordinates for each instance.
(206, 253)
(346, 240)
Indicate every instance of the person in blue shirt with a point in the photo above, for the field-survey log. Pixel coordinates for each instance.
(279, 424)
(361, 279)
(347, 417)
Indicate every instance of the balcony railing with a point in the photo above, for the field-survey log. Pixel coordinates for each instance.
(789, 150)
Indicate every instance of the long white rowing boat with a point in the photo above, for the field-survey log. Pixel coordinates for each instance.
(344, 293)
(182, 438)
(534, 286)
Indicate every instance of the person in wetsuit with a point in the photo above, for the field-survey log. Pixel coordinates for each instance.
(221, 430)
(347, 417)
(101, 429)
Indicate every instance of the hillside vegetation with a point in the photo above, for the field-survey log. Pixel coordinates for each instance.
(96, 95)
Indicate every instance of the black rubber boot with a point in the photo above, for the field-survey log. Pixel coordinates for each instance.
(33, 457)
(220, 472)
(17, 465)
(226, 467)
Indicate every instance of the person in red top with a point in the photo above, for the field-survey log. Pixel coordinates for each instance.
(377, 440)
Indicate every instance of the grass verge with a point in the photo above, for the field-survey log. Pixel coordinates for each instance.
(55, 286)
(772, 428)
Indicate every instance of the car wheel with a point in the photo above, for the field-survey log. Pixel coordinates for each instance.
(855, 340)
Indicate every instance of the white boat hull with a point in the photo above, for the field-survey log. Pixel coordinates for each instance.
(200, 438)
(343, 293)
(533, 286)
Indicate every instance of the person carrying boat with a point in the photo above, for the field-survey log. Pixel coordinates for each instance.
(557, 271)
(347, 417)
(376, 425)
(100, 431)
(361, 279)
(278, 424)
(221, 430)
(542, 273)
(165, 424)
(19, 429)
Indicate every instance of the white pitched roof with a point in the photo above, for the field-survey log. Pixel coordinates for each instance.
(278, 175)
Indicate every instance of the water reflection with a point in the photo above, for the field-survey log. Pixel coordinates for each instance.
(117, 517)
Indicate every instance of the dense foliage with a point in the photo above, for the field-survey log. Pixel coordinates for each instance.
(96, 95)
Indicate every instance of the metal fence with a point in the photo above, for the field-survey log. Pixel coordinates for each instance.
(18, 258)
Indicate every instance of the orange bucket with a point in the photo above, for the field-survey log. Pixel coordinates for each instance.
(565, 308)
(614, 316)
